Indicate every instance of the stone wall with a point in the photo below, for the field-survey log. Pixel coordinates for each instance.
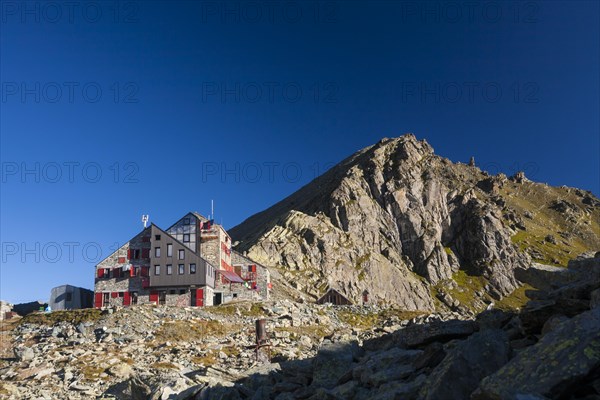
(208, 296)
(120, 259)
(263, 276)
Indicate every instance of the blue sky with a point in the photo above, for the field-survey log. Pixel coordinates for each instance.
(111, 110)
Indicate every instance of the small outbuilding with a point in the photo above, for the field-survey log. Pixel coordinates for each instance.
(67, 297)
(334, 297)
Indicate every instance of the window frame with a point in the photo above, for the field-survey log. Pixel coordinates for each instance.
(181, 269)
(169, 249)
(192, 271)
(169, 269)
(157, 252)
(157, 270)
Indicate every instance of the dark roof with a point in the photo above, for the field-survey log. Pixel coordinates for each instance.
(333, 290)
(231, 276)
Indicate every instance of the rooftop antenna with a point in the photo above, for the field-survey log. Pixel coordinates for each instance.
(145, 218)
(212, 209)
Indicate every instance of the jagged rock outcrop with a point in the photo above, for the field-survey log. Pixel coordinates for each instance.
(396, 220)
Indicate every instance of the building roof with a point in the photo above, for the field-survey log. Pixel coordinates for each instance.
(231, 276)
(332, 290)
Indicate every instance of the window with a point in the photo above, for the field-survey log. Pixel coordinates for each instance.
(181, 269)
(169, 269)
(157, 252)
(156, 237)
(134, 297)
(157, 270)
(136, 254)
(181, 254)
(182, 291)
(186, 238)
(186, 221)
(249, 268)
(172, 291)
(192, 268)
(170, 250)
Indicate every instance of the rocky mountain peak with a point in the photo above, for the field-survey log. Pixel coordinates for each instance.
(414, 229)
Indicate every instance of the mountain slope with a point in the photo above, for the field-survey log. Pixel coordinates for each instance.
(413, 228)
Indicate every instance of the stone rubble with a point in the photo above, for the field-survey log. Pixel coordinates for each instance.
(550, 349)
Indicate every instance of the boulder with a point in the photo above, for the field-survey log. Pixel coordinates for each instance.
(459, 374)
(418, 335)
(24, 353)
(331, 362)
(553, 367)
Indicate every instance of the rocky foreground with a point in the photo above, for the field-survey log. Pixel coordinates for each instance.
(549, 349)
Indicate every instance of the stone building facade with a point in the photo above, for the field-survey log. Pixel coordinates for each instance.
(188, 264)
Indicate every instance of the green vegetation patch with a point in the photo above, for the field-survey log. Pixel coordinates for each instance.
(187, 331)
(315, 332)
(246, 309)
(73, 316)
(516, 300)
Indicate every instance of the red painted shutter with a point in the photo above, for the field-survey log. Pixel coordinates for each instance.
(129, 254)
(98, 300)
(101, 273)
(114, 295)
(132, 271)
(126, 299)
(145, 271)
(121, 260)
(145, 253)
(154, 297)
(200, 297)
(253, 268)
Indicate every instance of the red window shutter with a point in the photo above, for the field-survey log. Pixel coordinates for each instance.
(253, 268)
(100, 273)
(145, 253)
(98, 300)
(121, 260)
(154, 297)
(145, 271)
(126, 299)
(114, 295)
(117, 272)
(132, 271)
(145, 283)
(200, 297)
(129, 254)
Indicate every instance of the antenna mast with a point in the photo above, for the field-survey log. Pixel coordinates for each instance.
(212, 209)
(145, 218)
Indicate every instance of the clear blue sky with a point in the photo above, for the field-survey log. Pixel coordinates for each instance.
(244, 103)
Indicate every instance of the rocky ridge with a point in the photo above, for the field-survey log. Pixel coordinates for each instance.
(413, 228)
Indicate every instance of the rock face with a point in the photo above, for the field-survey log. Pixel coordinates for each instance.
(392, 219)
(552, 367)
(396, 220)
